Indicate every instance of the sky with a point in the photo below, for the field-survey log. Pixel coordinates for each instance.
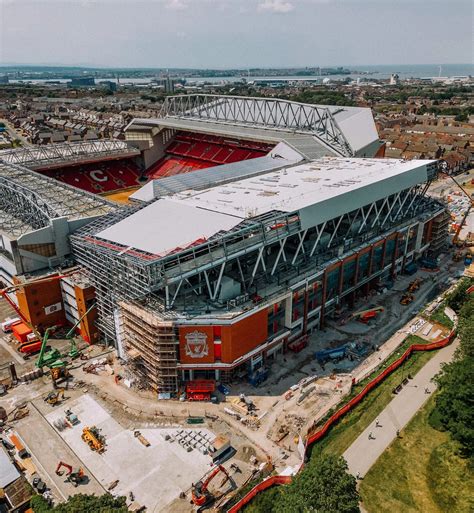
(235, 33)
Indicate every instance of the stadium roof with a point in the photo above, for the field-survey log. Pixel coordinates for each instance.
(37, 157)
(318, 191)
(280, 156)
(29, 200)
(346, 131)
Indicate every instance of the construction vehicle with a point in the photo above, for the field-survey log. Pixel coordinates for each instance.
(257, 377)
(74, 476)
(74, 351)
(336, 354)
(29, 348)
(58, 373)
(407, 298)
(429, 265)
(414, 285)
(55, 397)
(92, 437)
(72, 418)
(366, 315)
(137, 434)
(200, 493)
(200, 389)
(52, 358)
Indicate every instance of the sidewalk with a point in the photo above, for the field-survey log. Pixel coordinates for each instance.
(364, 452)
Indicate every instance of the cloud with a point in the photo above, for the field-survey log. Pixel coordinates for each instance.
(275, 6)
(176, 5)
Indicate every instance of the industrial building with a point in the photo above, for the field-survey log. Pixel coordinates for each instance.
(215, 272)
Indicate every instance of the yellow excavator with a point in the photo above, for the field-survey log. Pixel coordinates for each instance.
(55, 397)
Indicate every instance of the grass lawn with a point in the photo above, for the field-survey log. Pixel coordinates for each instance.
(420, 472)
(345, 432)
(441, 318)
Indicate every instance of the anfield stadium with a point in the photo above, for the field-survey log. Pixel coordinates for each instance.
(261, 218)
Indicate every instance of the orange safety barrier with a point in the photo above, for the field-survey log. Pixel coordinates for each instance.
(320, 433)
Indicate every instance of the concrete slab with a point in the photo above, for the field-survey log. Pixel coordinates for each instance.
(156, 475)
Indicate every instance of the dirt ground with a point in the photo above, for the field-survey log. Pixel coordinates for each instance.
(281, 414)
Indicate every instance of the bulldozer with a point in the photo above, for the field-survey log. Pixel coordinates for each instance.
(407, 298)
(55, 397)
(92, 437)
(74, 476)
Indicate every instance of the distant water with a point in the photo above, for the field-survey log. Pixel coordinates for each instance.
(376, 72)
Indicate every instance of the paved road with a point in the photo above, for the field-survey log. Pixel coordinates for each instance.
(14, 134)
(364, 452)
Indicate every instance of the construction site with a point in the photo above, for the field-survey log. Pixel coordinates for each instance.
(173, 350)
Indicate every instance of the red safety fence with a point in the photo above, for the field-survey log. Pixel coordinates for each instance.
(320, 433)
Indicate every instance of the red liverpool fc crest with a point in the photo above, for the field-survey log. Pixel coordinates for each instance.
(196, 344)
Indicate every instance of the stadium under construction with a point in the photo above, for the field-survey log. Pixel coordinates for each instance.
(270, 216)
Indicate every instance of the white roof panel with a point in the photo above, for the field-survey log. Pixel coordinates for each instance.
(165, 225)
(319, 191)
(8, 472)
(339, 184)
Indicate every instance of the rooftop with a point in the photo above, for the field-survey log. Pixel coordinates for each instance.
(318, 191)
(29, 200)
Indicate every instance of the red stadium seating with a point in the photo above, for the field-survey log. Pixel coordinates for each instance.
(98, 177)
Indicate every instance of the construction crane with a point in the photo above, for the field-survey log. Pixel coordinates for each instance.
(74, 352)
(74, 476)
(200, 494)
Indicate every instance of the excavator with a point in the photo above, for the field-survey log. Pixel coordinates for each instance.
(74, 476)
(55, 397)
(414, 285)
(200, 494)
(92, 437)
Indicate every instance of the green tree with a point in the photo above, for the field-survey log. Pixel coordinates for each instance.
(322, 487)
(454, 403)
(82, 503)
(462, 117)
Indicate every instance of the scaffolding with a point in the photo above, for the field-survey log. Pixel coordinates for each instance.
(150, 344)
(439, 233)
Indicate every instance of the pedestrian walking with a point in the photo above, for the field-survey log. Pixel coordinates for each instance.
(371, 436)
(398, 433)
(358, 475)
(377, 423)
